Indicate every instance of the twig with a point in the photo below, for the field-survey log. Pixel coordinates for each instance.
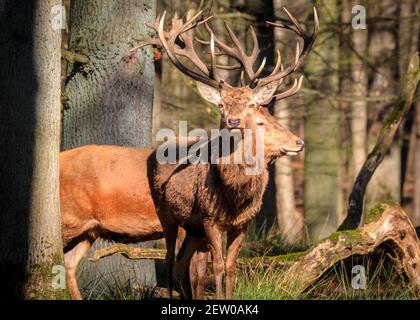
(73, 57)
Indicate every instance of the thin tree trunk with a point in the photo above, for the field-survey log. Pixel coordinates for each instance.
(416, 215)
(386, 182)
(322, 132)
(30, 235)
(383, 144)
(263, 11)
(415, 42)
(157, 100)
(289, 220)
(109, 100)
(359, 108)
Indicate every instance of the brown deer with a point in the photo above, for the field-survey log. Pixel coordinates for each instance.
(104, 193)
(208, 199)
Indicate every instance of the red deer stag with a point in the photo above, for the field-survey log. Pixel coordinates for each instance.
(105, 193)
(208, 199)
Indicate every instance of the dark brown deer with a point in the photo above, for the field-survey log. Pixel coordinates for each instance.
(208, 199)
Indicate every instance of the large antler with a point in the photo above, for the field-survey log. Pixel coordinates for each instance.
(179, 41)
(278, 74)
(238, 52)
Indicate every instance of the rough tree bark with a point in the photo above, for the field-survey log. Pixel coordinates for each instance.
(322, 132)
(109, 99)
(383, 144)
(30, 235)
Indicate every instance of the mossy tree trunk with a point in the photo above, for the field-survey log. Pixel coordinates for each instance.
(384, 143)
(30, 235)
(383, 51)
(109, 100)
(322, 131)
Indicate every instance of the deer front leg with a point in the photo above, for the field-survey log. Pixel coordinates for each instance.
(189, 247)
(198, 271)
(214, 237)
(234, 241)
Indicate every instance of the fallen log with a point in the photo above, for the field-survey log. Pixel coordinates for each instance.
(129, 252)
(386, 226)
(159, 254)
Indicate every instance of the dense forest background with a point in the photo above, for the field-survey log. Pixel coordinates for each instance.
(353, 79)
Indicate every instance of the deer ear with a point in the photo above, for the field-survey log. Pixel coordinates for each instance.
(209, 93)
(263, 95)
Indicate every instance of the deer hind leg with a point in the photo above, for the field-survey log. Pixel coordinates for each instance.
(170, 231)
(189, 247)
(214, 237)
(198, 272)
(71, 260)
(234, 241)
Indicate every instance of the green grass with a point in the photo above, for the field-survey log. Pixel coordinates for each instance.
(262, 282)
(259, 281)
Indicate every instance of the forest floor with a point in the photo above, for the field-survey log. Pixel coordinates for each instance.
(258, 281)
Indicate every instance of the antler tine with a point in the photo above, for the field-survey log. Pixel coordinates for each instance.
(243, 84)
(256, 46)
(278, 63)
(308, 41)
(169, 47)
(246, 61)
(213, 70)
(295, 22)
(297, 84)
(238, 53)
(258, 72)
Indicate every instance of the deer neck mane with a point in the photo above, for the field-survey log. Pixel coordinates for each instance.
(237, 184)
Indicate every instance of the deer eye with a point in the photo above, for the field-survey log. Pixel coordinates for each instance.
(260, 123)
(252, 105)
(220, 106)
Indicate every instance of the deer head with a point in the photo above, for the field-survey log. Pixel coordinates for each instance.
(248, 101)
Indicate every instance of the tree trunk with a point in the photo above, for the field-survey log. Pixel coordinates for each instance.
(322, 132)
(30, 235)
(416, 215)
(359, 108)
(289, 220)
(383, 144)
(411, 187)
(386, 182)
(109, 100)
(263, 11)
(416, 46)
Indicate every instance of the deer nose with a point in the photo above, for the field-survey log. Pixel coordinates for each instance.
(234, 123)
(300, 143)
